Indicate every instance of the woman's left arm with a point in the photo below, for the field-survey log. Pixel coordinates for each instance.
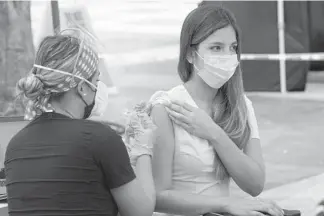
(245, 167)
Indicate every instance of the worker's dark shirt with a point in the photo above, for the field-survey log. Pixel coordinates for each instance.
(61, 166)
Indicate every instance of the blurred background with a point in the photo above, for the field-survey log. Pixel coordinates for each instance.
(141, 45)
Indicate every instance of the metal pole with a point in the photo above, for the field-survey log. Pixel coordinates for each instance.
(282, 52)
(55, 16)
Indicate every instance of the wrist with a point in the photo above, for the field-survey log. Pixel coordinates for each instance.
(216, 134)
(144, 157)
(143, 165)
(134, 158)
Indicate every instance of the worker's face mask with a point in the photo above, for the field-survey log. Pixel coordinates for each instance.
(99, 105)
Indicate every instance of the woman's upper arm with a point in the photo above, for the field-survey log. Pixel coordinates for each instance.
(163, 150)
(253, 148)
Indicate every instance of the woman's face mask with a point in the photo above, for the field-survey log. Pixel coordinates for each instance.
(217, 69)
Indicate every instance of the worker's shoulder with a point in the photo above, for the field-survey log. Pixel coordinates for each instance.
(97, 127)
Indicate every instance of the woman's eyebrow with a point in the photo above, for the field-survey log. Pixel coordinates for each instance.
(222, 43)
(216, 43)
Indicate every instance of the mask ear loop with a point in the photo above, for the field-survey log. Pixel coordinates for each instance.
(199, 55)
(193, 63)
(66, 73)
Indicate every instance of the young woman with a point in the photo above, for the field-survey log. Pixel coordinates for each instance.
(207, 132)
(63, 164)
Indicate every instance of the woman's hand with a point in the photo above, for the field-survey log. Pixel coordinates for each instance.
(194, 120)
(253, 207)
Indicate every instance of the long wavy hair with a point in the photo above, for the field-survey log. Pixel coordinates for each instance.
(198, 25)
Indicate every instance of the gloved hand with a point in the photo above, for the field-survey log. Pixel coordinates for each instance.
(139, 132)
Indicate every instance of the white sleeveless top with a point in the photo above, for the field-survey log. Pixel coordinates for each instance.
(196, 167)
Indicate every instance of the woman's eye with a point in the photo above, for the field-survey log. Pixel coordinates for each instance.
(234, 48)
(216, 48)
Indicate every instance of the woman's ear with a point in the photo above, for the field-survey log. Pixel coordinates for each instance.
(190, 55)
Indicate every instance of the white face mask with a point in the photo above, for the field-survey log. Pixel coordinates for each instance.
(101, 100)
(101, 96)
(218, 69)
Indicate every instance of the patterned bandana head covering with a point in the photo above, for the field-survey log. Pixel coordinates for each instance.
(85, 66)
